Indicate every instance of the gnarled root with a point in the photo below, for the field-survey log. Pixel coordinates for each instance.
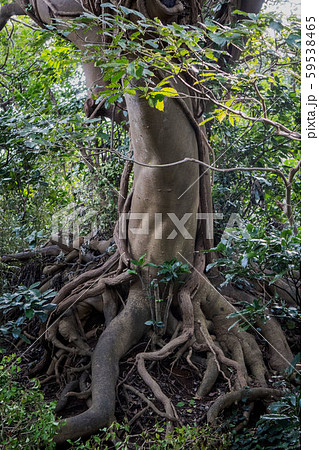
(240, 344)
(124, 331)
(249, 394)
(205, 327)
(280, 355)
(187, 333)
(209, 378)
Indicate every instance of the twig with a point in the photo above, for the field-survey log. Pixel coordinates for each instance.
(264, 108)
(149, 403)
(138, 415)
(281, 129)
(191, 364)
(26, 24)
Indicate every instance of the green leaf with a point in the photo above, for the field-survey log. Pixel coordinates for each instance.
(278, 277)
(231, 119)
(275, 25)
(275, 417)
(221, 115)
(168, 92)
(49, 294)
(210, 266)
(234, 324)
(42, 316)
(159, 105)
(16, 332)
(29, 313)
(49, 307)
(244, 261)
(130, 91)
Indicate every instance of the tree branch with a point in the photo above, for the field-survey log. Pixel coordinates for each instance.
(281, 129)
(9, 10)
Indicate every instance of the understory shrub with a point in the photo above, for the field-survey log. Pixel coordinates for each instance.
(27, 421)
(279, 428)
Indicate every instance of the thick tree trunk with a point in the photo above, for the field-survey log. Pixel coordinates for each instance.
(162, 195)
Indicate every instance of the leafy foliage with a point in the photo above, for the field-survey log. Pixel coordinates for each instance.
(249, 314)
(280, 428)
(168, 271)
(27, 420)
(258, 254)
(193, 438)
(43, 130)
(29, 302)
(171, 271)
(253, 254)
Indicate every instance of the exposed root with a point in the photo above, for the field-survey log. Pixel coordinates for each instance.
(93, 290)
(80, 395)
(219, 354)
(187, 333)
(124, 331)
(200, 306)
(138, 415)
(56, 368)
(149, 403)
(153, 385)
(47, 379)
(73, 370)
(195, 319)
(249, 394)
(183, 349)
(280, 355)
(62, 402)
(209, 378)
(55, 358)
(190, 363)
(246, 415)
(241, 345)
(68, 330)
(53, 250)
(87, 276)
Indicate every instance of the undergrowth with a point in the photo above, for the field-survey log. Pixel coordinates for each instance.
(29, 422)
